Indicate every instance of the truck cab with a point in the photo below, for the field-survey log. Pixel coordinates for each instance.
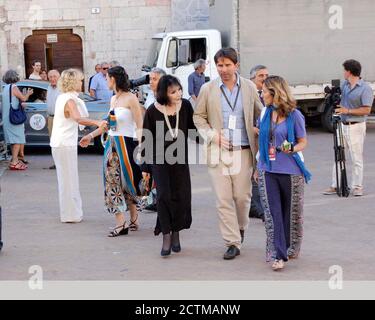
(176, 52)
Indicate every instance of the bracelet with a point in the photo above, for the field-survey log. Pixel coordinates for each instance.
(91, 135)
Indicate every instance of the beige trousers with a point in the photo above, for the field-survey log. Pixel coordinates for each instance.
(66, 161)
(232, 185)
(50, 125)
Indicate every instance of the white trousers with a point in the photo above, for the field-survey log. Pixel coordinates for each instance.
(66, 161)
(354, 139)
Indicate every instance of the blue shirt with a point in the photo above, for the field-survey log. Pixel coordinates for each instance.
(195, 81)
(285, 163)
(99, 84)
(361, 95)
(238, 137)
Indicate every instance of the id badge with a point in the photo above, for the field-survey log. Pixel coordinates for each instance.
(272, 153)
(232, 122)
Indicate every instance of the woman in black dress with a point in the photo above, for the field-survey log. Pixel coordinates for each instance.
(166, 127)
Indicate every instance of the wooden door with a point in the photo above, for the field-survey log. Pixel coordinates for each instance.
(56, 49)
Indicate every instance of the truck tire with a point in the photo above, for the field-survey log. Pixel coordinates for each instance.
(326, 118)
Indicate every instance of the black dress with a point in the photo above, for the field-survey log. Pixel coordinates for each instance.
(167, 159)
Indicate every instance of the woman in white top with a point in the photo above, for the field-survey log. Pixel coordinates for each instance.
(121, 173)
(70, 113)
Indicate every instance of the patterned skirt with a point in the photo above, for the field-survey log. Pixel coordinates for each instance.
(121, 175)
(292, 220)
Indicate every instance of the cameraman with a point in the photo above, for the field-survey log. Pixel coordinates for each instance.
(356, 100)
(155, 75)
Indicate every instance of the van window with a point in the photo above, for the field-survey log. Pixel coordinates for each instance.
(189, 51)
(171, 57)
(153, 55)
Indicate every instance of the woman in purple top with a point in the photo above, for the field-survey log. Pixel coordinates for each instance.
(282, 173)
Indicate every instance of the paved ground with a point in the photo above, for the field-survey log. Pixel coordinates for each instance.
(337, 231)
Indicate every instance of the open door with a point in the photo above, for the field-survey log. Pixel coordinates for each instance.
(56, 49)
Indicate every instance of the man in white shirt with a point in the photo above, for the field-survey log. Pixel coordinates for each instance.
(155, 75)
(37, 66)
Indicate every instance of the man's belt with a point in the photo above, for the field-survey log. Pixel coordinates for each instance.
(348, 123)
(236, 148)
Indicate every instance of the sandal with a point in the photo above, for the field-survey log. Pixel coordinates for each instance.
(23, 160)
(278, 265)
(18, 166)
(116, 232)
(133, 226)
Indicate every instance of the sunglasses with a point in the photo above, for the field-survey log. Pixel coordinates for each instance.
(105, 68)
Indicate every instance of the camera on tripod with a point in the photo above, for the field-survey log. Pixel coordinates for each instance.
(333, 94)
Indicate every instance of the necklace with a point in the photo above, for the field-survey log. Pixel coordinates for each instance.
(175, 133)
(116, 99)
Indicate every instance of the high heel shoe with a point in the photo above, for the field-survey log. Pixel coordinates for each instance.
(116, 232)
(133, 224)
(166, 244)
(176, 246)
(165, 253)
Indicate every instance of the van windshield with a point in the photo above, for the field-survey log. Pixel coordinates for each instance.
(153, 55)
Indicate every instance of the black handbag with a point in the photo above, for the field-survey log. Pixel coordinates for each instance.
(16, 116)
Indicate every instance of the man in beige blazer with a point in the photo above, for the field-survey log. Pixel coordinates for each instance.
(224, 116)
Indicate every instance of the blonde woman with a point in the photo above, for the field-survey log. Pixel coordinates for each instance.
(70, 113)
(282, 137)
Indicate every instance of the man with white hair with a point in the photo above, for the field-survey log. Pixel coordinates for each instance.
(52, 94)
(114, 63)
(258, 75)
(99, 87)
(155, 75)
(197, 79)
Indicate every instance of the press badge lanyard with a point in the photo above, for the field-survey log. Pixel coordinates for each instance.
(235, 101)
(272, 146)
(232, 119)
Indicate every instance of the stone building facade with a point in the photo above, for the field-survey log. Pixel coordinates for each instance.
(108, 30)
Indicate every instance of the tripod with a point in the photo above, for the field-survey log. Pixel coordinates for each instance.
(342, 188)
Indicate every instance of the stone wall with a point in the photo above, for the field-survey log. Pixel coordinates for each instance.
(120, 31)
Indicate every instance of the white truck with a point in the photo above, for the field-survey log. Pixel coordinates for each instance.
(304, 41)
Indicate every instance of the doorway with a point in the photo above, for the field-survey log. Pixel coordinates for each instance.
(58, 49)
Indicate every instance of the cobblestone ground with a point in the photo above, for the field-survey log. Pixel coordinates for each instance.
(336, 231)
